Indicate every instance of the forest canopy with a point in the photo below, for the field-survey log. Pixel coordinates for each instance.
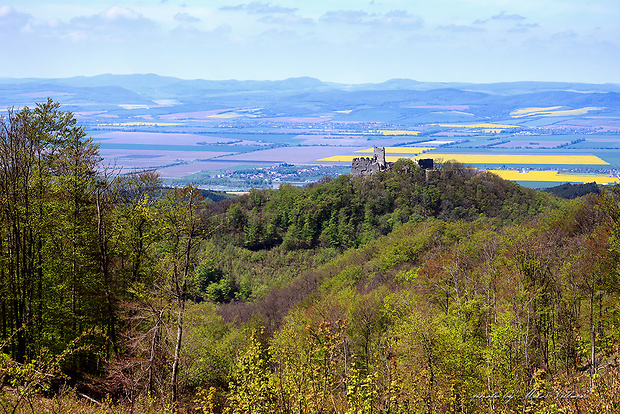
(450, 290)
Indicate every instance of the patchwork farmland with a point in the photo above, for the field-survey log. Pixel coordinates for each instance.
(240, 135)
(200, 151)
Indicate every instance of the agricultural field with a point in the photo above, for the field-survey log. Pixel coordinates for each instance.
(400, 150)
(487, 159)
(519, 159)
(551, 111)
(188, 129)
(535, 161)
(485, 128)
(189, 148)
(554, 176)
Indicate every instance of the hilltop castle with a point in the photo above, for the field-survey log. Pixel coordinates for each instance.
(370, 165)
(363, 166)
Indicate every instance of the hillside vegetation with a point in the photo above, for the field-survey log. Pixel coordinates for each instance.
(407, 291)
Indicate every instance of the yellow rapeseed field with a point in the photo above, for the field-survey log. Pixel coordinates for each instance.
(552, 111)
(484, 126)
(396, 132)
(400, 150)
(349, 158)
(488, 158)
(520, 159)
(554, 176)
(225, 115)
(533, 110)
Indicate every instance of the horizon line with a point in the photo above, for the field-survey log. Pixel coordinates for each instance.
(303, 77)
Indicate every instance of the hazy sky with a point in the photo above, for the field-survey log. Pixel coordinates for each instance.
(339, 40)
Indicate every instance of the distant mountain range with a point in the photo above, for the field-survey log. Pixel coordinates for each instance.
(307, 96)
(151, 83)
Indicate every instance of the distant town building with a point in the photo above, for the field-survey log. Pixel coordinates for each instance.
(363, 166)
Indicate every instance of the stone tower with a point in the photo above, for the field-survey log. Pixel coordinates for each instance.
(371, 165)
(380, 157)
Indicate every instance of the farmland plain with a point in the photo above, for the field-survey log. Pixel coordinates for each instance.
(262, 134)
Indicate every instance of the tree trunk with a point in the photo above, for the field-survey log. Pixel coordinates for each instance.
(177, 354)
(592, 341)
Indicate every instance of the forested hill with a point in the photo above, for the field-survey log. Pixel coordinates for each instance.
(349, 211)
(440, 316)
(406, 291)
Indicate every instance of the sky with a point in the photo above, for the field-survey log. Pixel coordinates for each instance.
(346, 41)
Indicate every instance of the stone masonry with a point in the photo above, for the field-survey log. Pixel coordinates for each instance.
(363, 166)
(369, 165)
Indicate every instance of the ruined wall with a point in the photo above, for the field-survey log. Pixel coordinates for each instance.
(364, 166)
(369, 165)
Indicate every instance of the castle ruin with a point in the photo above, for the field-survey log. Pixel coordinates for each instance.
(363, 166)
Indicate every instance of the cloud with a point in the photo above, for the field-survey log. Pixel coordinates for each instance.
(115, 24)
(523, 27)
(271, 14)
(233, 8)
(190, 34)
(23, 27)
(257, 7)
(266, 8)
(286, 19)
(502, 16)
(115, 16)
(12, 21)
(460, 28)
(345, 16)
(400, 18)
(186, 18)
(117, 13)
(565, 36)
(394, 19)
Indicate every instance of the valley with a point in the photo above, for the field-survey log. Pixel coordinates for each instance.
(237, 135)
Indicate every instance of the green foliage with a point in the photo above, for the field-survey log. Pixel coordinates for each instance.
(27, 380)
(442, 312)
(400, 292)
(361, 395)
(48, 232)
(504, 361)
(310, 366)
(351, 211)
(252, 389)
(211, 281)
(570, 191)
(208, 347)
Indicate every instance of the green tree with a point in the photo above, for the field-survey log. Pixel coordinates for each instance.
(183, 228)
(252, 389)
(47, 175)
